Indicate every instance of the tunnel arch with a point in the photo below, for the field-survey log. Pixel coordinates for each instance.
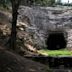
(56, 41)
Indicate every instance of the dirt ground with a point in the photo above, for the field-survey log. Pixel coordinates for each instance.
(11, 62)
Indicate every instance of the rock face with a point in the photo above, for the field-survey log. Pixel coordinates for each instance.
(45, 20)
(35, 24)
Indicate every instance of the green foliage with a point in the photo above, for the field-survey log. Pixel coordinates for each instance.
(4, 3)
(66, 4)
(55, 52)
(45, 2)
(38, 2)
(58, 2)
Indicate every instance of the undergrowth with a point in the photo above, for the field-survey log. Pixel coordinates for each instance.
(62, 52)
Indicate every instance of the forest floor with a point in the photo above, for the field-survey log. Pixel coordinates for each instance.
(11, 62)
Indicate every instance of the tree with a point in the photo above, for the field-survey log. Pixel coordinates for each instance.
(68, 1)
(38, 2)
(45, 2)
(58, 2)
(15, 6)
(4, 3)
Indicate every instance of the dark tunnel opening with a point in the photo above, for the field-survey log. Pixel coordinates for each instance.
(56, 41)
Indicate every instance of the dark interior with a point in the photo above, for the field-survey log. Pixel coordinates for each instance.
(56, 41)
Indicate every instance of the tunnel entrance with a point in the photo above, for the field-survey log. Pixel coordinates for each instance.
(56, 41)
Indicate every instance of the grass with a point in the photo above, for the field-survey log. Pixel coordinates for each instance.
(63, 52)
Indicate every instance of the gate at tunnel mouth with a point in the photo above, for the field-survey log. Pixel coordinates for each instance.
(56, 41)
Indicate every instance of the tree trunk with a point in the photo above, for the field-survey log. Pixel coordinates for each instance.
(15, 6)
(13, 30)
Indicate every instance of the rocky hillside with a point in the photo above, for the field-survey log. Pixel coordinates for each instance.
(34, 25)
(42, 20)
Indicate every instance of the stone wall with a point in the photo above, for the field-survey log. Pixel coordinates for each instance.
(45, 19)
